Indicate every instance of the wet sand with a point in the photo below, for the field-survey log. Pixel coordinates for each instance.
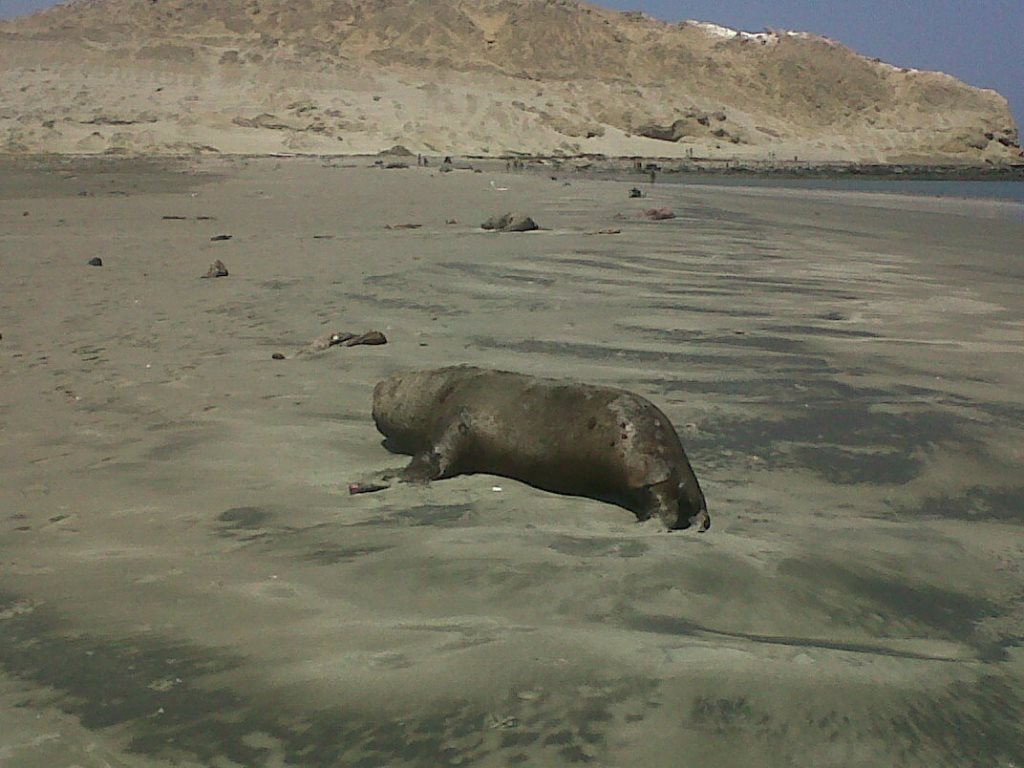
(184, 579)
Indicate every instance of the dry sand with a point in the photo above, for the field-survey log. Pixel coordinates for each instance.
(184, 579)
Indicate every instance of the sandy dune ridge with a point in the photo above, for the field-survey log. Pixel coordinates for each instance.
(477, 77)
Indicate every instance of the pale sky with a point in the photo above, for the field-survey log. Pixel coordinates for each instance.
(978, 41)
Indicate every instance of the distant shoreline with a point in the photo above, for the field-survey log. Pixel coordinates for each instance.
(597, 166)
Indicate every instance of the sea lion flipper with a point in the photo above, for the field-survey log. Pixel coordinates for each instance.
(423, 468)
(439, 460)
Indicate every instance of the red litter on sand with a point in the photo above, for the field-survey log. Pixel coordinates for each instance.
(354, 488)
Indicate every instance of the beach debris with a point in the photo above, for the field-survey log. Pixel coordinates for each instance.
(277, 356)
(402, 226)
(658, 214)
(217, 269)
(370, 338)
(174, 218)
(328, 340)
(95, 261)
(323, 237)
(356, 488)
(451, 221)
(503, 722)
(510, 222)
(219, 238)
(345, 339)
(607, 231)
(636, 192)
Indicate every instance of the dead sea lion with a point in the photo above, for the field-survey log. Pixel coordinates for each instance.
(559, 436)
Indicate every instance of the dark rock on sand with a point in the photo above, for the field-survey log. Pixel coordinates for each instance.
(635, 192)
(217, 269)
(510, 222)
(95, 261)
(217, 238)
(370, 338)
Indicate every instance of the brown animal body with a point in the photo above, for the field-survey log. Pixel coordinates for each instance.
(560, 436)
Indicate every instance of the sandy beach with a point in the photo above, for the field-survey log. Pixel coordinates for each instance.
(185, 579)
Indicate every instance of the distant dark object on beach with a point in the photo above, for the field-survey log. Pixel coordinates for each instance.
(277, 356)
(658, 214)
(402, 226)
(370, 338)
(218, 238)
(174, 218)
(396, 165)
(510, 222)
(95, 261)
(345, 339)
(217, 269)
(635, 192)
(608, 231)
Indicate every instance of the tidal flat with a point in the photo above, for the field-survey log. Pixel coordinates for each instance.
(185, 579)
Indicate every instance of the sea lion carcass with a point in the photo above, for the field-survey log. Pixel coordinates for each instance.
(561, 436)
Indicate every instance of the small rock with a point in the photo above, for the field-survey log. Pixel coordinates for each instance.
(277, 356)
(217, 269)
(95, 261)
(635, 192)
(510, 222)
(218, 238)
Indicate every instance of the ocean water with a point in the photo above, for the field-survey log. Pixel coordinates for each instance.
(1010, 191)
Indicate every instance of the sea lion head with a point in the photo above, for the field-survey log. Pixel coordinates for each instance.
(407, 406)
(690, 509)
(693, 508)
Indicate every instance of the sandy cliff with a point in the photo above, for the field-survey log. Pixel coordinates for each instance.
(467, 77)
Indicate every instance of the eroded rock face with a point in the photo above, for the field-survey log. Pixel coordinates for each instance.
(476, 77)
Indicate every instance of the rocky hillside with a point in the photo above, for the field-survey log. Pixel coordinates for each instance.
(467, 77)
